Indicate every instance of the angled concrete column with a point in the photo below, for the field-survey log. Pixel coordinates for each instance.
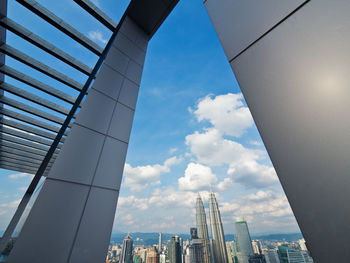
(72, 218)
(292, 62)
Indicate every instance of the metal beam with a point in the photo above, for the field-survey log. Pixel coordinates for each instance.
(29, 120)
(36, 84)
(19, 157)
(16, 168)
(20, 153)
(25, 128)
(26, 136)
(33, 98)
(31, 110)
(31, 62)
(57, 22)
(97, 13)
(44, 45)
(15, 162)
(33, 153)
(27, 143)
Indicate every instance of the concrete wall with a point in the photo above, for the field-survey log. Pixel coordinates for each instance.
(72, 219)
(292, 63)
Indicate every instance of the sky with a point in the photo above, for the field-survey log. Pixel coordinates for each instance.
(192, 129)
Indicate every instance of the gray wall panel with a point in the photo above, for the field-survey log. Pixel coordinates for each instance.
(296, 83)
(63, 204)
(238, 23)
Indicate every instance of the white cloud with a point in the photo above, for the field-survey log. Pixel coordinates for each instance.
(172, 150)
(140, 177)
(252, 174)
(20, 175)
(131, 202)
(97, 36)
(225, 185)
(264, 210)
(197, 177)
(226, 113)
(211, 148)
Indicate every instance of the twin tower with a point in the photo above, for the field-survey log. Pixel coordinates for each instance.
(215, 248)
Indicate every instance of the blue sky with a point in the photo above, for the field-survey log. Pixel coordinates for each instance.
(192, 129)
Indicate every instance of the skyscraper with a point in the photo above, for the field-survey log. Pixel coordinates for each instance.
(160, 243)
(152, 255)
(175, 250)
(126, 255)
(244, 242)
(195, 252)
(202, 228)
(219, 245)
(256, 247)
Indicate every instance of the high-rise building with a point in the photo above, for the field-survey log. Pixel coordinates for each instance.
(257, 259)
(219, 245)
(229, 252)
(302, 244)
(291, 255)
(271, 256)
(162, 258)
(244, 242)
(194, 251)
(152, 255)
(175, 255)
(126, 255)
(256, 247)
(202, 228)
(160, 243)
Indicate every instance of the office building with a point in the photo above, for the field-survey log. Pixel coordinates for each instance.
(160, 243)
(271, 256)
(256, 247)
(243, 241)
(175, 252)
(126, 255)
(152, 255)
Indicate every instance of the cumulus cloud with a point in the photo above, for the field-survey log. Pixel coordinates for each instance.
(97, 36)
(263, 210)
(226, 113)
(197, 177)
(225, 185)
(140, 177)
(132, 202)
(209, 147)
(252, 174)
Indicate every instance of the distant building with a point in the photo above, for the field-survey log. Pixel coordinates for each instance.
(257, 259)
(152, 255)
(229, 252)
(195, 251)
(302, 244)
(256, 247)
(271, 256)
(243, 241)
(175, 255)
(291, 255)
(160, 243)
(202, 228)
(127, 248)
(219, 245)
(162, 258)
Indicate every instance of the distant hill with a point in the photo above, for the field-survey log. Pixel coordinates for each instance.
(149, 239)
